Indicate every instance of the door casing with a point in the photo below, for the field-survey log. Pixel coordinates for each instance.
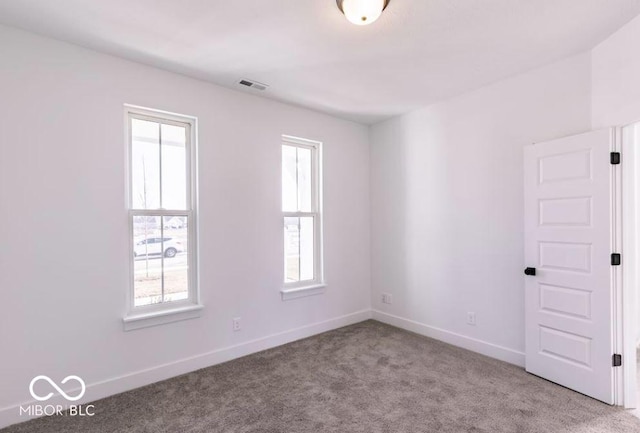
(627, 320)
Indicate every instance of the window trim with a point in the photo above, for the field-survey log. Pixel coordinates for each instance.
(316, 286)
(155, 314)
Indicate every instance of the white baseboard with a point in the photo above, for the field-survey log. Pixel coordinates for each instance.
(489, 349)
(95, 391)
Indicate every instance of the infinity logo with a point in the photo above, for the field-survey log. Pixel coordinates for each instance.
(57, 388)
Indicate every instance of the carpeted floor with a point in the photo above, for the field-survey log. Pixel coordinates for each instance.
(636, 411)
(365, 378)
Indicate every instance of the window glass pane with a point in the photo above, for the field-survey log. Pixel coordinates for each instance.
(145, 164)
(289, 182)
(291, 250)
(306, 248)
(147, 264)
(299, 249)
(304, 179)
(160, 259)
(174, 169)
(176, 263)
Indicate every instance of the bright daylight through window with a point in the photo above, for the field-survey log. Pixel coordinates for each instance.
(161, 207)
(301, 205)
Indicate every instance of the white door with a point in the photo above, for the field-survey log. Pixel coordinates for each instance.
(569, 241)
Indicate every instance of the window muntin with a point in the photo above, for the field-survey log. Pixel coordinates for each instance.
(162, 210)
(301, 203)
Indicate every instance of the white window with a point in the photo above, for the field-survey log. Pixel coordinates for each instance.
(302, 218)
(162, 215)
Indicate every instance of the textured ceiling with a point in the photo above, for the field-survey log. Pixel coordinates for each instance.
(418, 52)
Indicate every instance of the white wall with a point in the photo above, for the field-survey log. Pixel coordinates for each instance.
(447, 205)
(63, 222)
(616, 85)
(616, 102)
(616, 78)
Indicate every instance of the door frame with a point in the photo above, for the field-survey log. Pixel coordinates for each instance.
(626, 322)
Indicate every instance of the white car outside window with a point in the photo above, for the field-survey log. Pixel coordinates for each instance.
(154, 247)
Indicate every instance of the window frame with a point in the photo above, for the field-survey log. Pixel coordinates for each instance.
(293, 290)
(167, 311)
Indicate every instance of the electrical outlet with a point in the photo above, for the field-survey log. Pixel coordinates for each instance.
(471, 318)
(387, 298)
(236, 324)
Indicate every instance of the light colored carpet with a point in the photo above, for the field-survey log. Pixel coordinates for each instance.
(636, 411)
(365, 378)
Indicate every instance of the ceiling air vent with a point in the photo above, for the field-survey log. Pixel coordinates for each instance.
(253, 84)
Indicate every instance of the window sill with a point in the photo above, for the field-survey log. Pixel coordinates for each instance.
(301, 292)
(145, 320)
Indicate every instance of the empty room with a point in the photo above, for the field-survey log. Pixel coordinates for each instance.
(320, 216)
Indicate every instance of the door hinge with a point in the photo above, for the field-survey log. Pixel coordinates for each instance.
(617, 360)
(615, 158)
(615, 259)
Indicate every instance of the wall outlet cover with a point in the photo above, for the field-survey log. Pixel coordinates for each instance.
(471, 318)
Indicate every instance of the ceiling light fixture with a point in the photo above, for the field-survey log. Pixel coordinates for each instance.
(362, 12)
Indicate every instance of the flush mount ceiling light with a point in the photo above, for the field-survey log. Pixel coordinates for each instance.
(362, 12)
